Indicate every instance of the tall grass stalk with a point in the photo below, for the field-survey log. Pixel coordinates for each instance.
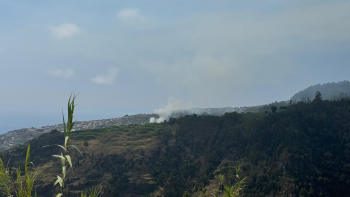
(22, 186)
(64, 156)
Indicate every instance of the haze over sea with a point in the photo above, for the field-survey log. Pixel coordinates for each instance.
(14, 120)
(9, 122)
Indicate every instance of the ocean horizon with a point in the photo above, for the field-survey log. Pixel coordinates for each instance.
(15, 121)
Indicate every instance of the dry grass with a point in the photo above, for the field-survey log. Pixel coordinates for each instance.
(127, 142)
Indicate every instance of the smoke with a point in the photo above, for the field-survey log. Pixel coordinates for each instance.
(202, 76)
(172, 105)
(152, 120)
(156, 120)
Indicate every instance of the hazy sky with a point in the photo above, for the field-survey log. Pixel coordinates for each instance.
(130, 57)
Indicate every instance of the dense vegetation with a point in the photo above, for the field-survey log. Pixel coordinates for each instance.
(299, 150)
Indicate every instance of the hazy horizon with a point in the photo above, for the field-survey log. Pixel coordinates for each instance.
(131, 57)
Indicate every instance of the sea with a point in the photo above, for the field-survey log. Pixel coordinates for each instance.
(10, 122)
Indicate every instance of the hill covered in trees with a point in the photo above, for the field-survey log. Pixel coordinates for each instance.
(329, 91)
(300, 150)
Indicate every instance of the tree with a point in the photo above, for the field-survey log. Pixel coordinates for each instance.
(303, 192)
(318, 96)
(273, 109)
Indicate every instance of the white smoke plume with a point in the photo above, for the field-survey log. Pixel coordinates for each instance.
(173, 105)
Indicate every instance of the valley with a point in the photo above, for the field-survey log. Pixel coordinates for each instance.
(301, 150)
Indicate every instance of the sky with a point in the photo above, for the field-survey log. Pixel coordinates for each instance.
(132, 57)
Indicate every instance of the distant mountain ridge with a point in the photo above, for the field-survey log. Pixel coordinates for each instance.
(329, 91)
(205, 111)
(219, 111)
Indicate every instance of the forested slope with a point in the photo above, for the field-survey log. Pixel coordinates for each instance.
(330, 91)
(302, 150)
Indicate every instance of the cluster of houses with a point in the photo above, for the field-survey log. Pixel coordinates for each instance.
(19, 136)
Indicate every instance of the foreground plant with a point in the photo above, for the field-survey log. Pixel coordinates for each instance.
(226, 188)
(65, 157)
(22, 186)
(92, 192)
(199, 192)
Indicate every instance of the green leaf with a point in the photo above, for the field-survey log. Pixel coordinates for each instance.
(66, 139)
(64, 169)
(58, 156)
(74, 146)
(59, 195)
(63, 159)
(64, 148)
(221, 177)
(70, 106)
(52, 145)
(27, 161)
(59, 180)
(64, 126)
(69, 160)
(238, 169)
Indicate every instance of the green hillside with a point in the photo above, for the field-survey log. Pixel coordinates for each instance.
(303, 150)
